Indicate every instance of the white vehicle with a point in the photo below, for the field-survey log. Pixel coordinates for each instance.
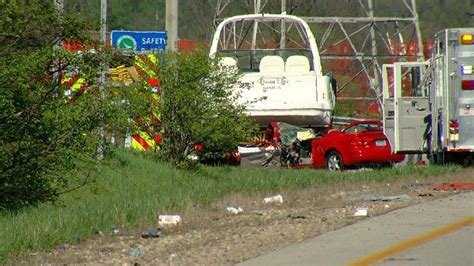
(281, 75)
(429, 106)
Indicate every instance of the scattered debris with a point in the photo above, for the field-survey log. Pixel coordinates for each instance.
(416, 185)
(172, 256)
(234, 210)
(62, 248)
(421, 163)
(169, 219)
(274, 199)
(455, 186)
(296, 217)
(340, 194)
(374, 197)
(152, 233)
(386, 206)
(425, 195)
(115, 230)
(135, 252)
(360, 212)
(397, 259)
(362, 169)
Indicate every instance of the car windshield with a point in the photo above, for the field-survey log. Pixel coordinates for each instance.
(361, 127)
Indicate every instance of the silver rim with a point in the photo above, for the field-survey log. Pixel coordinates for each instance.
(334, 162)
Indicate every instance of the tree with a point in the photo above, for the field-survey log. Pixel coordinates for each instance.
(198, 106)
(43, 134)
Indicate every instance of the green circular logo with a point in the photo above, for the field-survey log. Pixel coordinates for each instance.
(127, 42)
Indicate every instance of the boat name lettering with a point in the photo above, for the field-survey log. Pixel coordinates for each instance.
(273, 81)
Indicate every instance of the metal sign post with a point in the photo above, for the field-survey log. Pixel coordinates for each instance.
(103, 30)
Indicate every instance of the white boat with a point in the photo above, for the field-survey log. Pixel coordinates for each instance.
(281, 76)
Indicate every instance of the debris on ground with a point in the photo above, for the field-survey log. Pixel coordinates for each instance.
(361, 212)
(362, 169)
(115, 230)
(62, 248)
(135, 252)
(455, 186)
(172, 256)
(295, 217)
(274, 199)
(169, 219)
(425, 195)
(416, 185)
(375, 197)
(234, 210)
(402, 259)
(227, 239)
(152, 233)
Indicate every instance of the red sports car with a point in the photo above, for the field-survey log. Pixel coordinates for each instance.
(359, 143)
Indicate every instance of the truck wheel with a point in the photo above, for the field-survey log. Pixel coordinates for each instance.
(334, 161)
(439, 157)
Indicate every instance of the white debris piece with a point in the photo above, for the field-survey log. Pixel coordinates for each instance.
(169, 219)
(273, 199)
(234, 210)
(360, 212)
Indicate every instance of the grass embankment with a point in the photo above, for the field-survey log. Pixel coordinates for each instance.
(131, 191)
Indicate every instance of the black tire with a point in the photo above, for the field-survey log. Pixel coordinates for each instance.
(387, 165)
(440, 158)
(334, 161)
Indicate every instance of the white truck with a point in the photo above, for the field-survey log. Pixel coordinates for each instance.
(281, 76)
(428, 107)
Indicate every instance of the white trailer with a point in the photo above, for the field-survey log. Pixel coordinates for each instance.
(428, 107)
(281, 74)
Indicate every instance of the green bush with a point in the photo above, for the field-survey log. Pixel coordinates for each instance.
(43, 134)
(198, 106)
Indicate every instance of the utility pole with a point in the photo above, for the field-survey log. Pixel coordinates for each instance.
(103, 39)
(172, 25)
(375, 81)
(256, 10)
(103, 21)
(59, 4)
(420, 55)
(283, 26)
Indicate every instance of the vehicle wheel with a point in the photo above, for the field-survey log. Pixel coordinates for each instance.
(439, 157)
(387, 165)
(334, 161)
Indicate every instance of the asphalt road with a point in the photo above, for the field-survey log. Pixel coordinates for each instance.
(439, 232)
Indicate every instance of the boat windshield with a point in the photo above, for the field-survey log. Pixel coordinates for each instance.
(248, 40)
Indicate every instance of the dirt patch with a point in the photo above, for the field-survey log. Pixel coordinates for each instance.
(217, 237)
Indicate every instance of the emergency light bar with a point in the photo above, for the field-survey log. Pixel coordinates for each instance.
(466, 70)
(467, 39)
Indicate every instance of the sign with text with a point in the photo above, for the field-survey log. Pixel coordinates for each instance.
(139, 41)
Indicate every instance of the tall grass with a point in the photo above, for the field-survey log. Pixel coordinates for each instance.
(132, 189)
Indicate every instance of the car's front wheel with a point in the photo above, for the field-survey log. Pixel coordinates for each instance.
(334, 161)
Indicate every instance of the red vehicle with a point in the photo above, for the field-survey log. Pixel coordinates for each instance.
(359, 143)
